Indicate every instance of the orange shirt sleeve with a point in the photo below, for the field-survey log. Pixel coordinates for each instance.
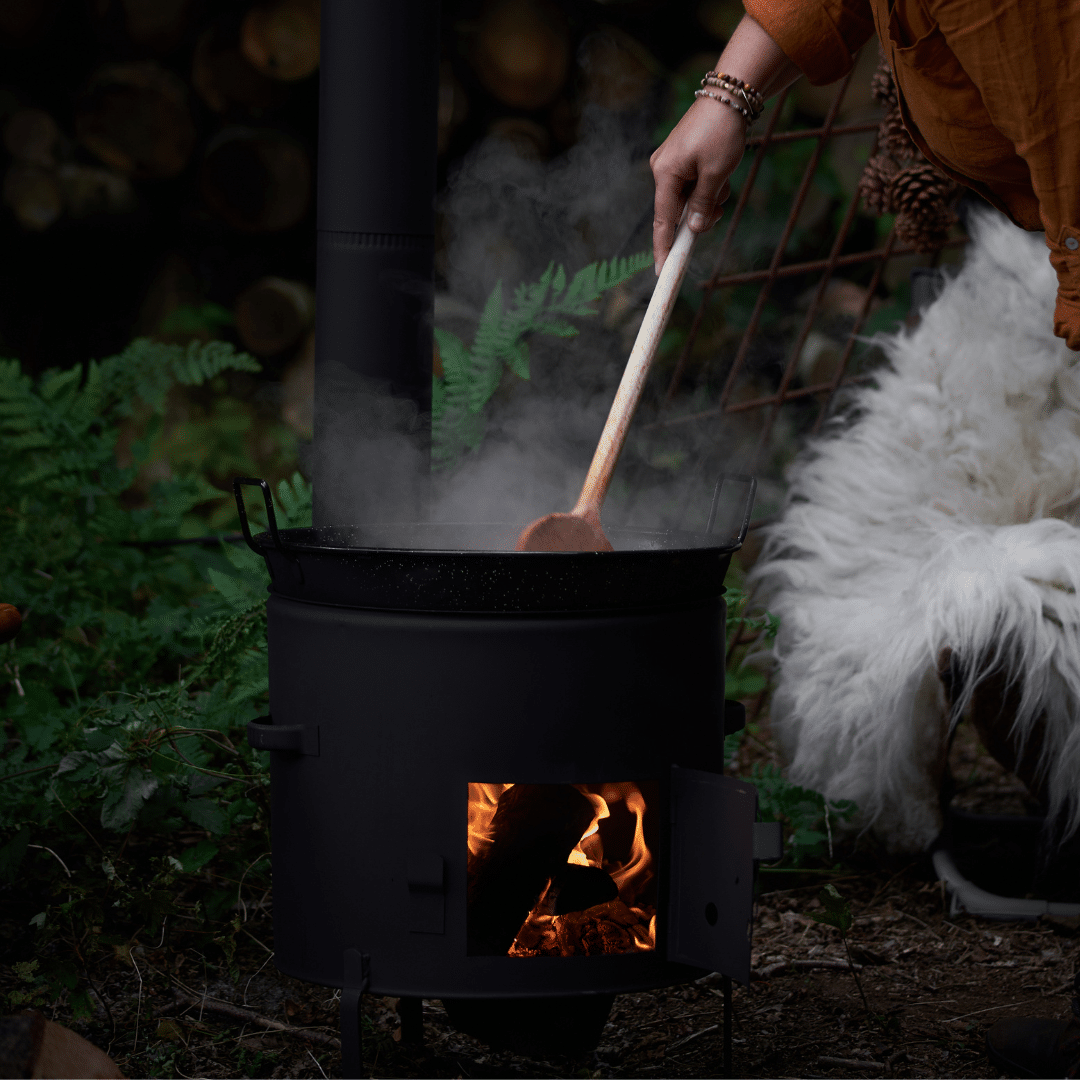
(820, 37)
(1021, 55)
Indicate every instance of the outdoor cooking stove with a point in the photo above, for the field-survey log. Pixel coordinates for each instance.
(496, 776)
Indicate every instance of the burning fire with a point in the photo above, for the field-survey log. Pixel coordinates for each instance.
(625, 920)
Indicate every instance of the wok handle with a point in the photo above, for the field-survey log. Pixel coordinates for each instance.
(748, 506)
(271, 517)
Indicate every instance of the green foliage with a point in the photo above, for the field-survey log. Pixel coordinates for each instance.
(192, 320)
(128, 794)
(804, 812)
(471, 374)
(834, 911)
(742, 626)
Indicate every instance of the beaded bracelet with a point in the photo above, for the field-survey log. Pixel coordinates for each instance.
(728, 88)
(744, 112)
(754, 99)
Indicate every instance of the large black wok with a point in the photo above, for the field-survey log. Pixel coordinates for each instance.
(473, 567)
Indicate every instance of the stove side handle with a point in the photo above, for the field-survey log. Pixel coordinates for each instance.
(264, 734)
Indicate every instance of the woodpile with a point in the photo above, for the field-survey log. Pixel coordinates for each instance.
(281, 38)
(453, 104)
(33, 195)
(38, 190)
(135, 118)
(24, 21)
(272, 315)
(30, 136)
(521, 52)
(298, 391)
(158, 25)
(619, 71)
(87, 191)
(224, 77)
(525, 137)
(257, 181)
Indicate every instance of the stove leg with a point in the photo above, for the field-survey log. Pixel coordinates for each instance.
(411, 1011)
(727, 1025)
(354, 984)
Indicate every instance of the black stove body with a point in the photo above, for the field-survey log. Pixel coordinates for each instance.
(400, 676)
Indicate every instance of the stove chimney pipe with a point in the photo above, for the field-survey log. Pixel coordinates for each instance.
(378, 102)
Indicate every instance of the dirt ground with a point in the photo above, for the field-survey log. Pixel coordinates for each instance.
(933, 984)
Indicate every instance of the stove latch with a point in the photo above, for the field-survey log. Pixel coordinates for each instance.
(426, 877)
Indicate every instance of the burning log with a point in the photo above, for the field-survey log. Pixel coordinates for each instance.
(281, 38)
(256, 181)
(224, 78)
(533, 832)
(582, 887)
(135, 118)
(522, 52)
(602, 929)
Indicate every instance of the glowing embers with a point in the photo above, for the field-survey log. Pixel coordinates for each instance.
(562, 869)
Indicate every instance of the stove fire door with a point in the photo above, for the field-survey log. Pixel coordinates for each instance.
(712, 871)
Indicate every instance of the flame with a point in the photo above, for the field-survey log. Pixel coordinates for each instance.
(590, 848)
(627, 924)
(633, 875)
(483, 798)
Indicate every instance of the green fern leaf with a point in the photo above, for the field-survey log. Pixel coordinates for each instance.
(518, 360)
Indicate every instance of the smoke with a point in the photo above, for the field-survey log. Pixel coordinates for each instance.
(505, 218)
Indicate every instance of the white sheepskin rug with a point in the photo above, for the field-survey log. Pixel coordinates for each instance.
(942, 513)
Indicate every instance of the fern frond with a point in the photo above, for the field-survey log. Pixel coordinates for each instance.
(472, 375)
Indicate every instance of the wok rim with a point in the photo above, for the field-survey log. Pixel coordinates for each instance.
(289, 543)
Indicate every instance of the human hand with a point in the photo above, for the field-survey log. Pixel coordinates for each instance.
(691, 169)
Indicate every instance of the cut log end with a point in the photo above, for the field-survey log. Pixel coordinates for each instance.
(281, 38)
(272, 315)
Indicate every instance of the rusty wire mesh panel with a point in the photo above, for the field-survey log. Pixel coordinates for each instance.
(783, 306)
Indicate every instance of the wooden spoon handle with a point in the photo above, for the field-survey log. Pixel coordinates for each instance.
(633, 381)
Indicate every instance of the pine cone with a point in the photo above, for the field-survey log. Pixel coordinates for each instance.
(882, 85)
(893, 137)
(874, 187)
(919, 189)
(928, 232)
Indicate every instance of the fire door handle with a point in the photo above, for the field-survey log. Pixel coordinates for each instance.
(288, 738)
(768, 841)
(734, 717)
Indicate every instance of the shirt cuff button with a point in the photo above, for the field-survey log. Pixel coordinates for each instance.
(1072, 243)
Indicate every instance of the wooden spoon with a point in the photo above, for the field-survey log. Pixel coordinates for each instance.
(580, 529)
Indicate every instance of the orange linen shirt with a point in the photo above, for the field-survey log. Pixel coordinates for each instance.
(989, 90)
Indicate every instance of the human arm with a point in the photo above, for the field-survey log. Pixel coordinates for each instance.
(693, 164)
